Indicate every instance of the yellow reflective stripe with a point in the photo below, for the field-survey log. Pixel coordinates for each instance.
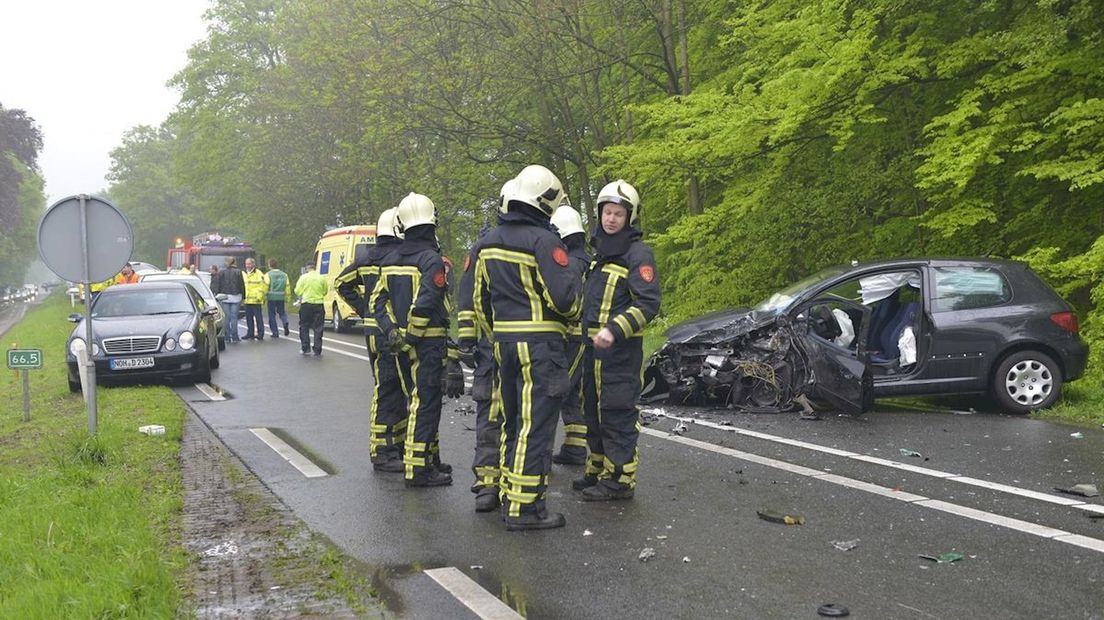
(520, 452)
(367, 270)
(519, 327)
(575, 329)
(594, 464)
(348, 277)
(616, 270)
(467, 332)
(465, 315)
(607, 298)
(528, 480)
(412, 419)
(420, 321)
(639, 316)
(477, 298)
(575, 364)
(400, 270)
(369, 323)
(536, 310)
(623, 323)
(575, 428)
(575, 441)
(509, 256)
(598, 386)
(453, 354)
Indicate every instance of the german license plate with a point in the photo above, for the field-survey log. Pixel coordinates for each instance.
(130, 363)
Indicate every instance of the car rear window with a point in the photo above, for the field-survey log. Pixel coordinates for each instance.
(965, 288)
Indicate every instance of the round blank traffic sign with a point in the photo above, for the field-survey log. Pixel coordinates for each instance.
(110, 241)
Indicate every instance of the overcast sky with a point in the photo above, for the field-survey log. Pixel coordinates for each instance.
(88, 70)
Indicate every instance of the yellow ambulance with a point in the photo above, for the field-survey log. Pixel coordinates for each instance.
(337, 249)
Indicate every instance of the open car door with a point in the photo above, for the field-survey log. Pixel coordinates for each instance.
(836, 351)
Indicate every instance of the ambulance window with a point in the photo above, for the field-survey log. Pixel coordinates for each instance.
(324, 265)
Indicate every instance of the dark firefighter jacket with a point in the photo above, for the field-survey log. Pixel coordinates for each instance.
(525, 286)
(622, 286)
(411, 294)
(357, 282)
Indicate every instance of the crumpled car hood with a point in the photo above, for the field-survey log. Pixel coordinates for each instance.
(719, 325)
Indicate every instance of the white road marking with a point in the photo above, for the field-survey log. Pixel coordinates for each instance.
(1027, 527)
(291, 455)
(472, 595)
(326, 341)
(209, 392)
(925, 471)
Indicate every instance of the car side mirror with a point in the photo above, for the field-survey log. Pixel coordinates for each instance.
(74, 318)
(212, 311)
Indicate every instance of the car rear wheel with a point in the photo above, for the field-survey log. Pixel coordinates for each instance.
(74, 386)
(215, 359)
(203, 375)
(1026, 381)
(221, 343)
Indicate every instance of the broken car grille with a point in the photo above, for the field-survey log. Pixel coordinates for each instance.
(132, 344)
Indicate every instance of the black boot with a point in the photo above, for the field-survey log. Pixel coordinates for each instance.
(429, 477)
(585, 482)
(570, 455)
(285, 329)
(444, 468)
(607, 490)
(535, 521)
(390, 466)
(486, 500)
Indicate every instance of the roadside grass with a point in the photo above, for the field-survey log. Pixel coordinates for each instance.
(89, 526)
(1082, 402)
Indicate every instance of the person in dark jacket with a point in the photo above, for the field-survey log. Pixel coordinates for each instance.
(525, 294)
(388, 414)
(412, 310)
(231, 285)
(622, 297)
(574, 449)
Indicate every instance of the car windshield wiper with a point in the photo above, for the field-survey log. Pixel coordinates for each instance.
(168, 312)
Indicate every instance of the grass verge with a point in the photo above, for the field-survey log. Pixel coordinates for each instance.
(1082, 402)
(89, 526)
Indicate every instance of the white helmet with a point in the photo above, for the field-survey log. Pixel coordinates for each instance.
(538, 188)
(621, 193)
(567, 220)
(387, 224)
(415, 210)
(509, 188)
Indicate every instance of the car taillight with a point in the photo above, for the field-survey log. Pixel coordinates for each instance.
(1066, 320)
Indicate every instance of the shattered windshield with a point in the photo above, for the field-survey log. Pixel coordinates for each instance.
(784, 297)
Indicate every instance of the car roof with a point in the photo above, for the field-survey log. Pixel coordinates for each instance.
(935, 261)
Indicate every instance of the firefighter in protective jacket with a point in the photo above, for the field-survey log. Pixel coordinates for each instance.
(574, 449)
(622, 297)
(525, 294)
(388, 414)
(412, 308)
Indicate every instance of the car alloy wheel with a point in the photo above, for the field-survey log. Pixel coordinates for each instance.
(1029, 382)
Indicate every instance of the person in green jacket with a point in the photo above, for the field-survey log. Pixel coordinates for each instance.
(279, 287)
(311, 290)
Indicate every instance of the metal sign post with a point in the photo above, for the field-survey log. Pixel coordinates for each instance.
(24, 360)
(105, 240)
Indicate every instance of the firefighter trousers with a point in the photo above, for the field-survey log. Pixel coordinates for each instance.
(388, 413)
(488, 419)
(611, 388)
(532, 381)
(571, 411)
(423, 369)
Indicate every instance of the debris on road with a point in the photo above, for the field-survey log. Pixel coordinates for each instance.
(152, 429)
(914, 453)
(477, 567)
(945, 558)
(777, 517)
(646, 554)
(680, 428)
(221, 549)
(1077, 435)
(588, 533)
(845, 545)
(661, 537)
(1084, 490)
(685, 559)
(833, 610)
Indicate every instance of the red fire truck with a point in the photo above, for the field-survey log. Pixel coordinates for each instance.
(208, 249)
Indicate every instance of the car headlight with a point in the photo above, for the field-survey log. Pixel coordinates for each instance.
(187, 341)
(95, 349)
(76, 345)
(170, 345)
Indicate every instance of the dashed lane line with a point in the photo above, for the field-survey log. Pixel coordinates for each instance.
(874, 460)
(472, 595)
(1026, 527)
(291, 455)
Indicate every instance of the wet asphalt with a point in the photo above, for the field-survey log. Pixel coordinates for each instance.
(714, 557)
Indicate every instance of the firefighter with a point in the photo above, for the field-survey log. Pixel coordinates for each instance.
(476, 350)
(388, 414)
(622, 296)
(412, 311)
(525, 294)
(574, 448)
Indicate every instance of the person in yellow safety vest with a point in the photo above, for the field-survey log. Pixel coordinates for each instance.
(96, 287)
(311, 289)
(256, 290)
(622, 297)
(526, 293)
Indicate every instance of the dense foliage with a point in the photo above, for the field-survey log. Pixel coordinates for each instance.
(768, 138)
(22, 200)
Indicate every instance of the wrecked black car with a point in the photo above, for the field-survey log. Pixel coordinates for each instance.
(846, 335)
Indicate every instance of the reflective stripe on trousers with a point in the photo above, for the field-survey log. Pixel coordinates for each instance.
(611, 388)
(388, 413)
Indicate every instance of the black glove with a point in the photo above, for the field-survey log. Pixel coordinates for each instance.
(454, 379)
(394, 342)
(467, 354)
